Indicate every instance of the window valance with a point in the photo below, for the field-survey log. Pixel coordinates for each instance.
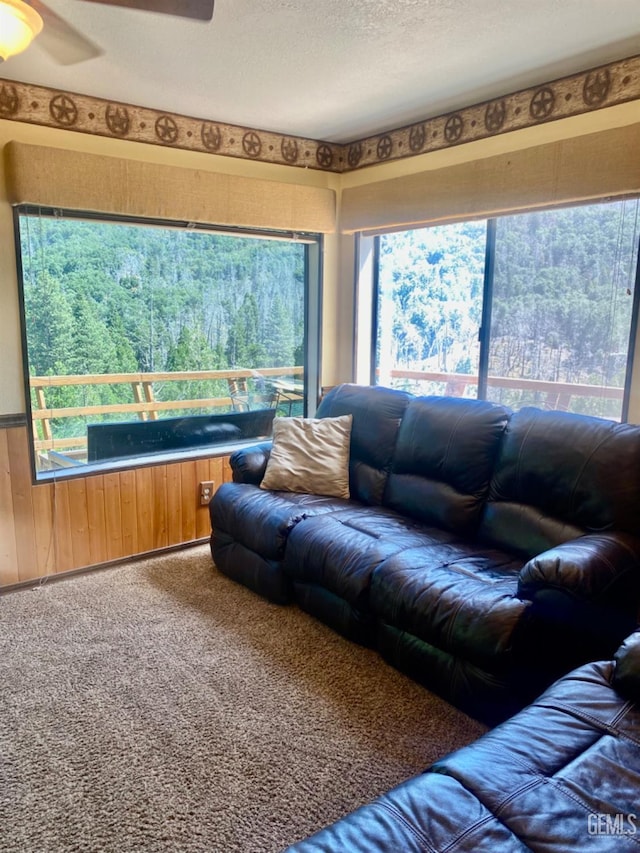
(57, 177)
(583, 168)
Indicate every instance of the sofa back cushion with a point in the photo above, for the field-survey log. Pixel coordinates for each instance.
(377, 412)
(560, 475)
(444, 459)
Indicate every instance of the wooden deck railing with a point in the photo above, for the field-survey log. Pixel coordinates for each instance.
(552, 395)
(143, 403)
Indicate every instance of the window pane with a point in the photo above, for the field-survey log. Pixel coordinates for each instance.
(562, 307)
(130, 325)
(429, 308)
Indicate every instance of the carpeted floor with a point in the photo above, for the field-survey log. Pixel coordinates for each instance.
(161, 707)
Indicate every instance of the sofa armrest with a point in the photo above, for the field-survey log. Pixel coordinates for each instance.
(595, 567)
(584, 597)
(248, 464)
(626, 678)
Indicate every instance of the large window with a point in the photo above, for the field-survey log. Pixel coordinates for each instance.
(146, 338)
(531, 309)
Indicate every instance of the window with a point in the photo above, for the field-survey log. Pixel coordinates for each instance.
(531, 309)
(429, 308)
(145, 338)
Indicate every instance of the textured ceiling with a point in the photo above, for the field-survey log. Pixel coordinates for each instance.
(338, 69)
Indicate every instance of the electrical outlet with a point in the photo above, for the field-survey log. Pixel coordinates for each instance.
(206, 492)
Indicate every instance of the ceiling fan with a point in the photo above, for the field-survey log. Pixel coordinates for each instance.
(65, 43)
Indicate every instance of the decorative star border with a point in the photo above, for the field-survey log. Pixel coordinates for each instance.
(605, 86)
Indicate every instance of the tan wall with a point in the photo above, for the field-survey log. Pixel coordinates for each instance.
(56, 527)
(336, 364)
(624, 115)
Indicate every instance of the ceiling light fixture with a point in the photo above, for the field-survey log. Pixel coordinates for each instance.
(19, 25)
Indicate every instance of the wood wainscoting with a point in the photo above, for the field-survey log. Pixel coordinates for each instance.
(79, 522)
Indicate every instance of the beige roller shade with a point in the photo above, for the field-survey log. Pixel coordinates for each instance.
(584, 168)
(55, 177)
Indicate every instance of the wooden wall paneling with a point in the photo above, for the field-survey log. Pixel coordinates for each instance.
(8, 545)
(218, 467)
(113, 516)
(188, 498)
(97, 520)
(216, 470)
(74, 523)
(21, 493)
(79, 521)
(129, 512)
(160, 535)
(43, 509)
(144, 509)
(62, 527)
(174, 504)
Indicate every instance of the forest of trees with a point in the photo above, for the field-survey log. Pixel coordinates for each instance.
(105, 297)
(561, 307)
(114, 298)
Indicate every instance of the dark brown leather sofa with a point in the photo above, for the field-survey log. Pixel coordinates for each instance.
(562, 776)
(483, 552)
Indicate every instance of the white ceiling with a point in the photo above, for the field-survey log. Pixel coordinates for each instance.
(333, 69)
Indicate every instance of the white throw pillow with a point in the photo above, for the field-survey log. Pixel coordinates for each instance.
(310, 455)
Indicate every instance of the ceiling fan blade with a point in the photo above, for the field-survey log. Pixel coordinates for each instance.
(200, 10)
(62, 41)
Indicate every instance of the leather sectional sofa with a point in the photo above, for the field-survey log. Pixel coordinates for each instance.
(561, 776)
(483, 552)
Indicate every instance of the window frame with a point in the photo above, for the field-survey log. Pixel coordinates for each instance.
(370, 245)
(312, 331)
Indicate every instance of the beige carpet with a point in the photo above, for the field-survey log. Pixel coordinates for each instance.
(161, 707)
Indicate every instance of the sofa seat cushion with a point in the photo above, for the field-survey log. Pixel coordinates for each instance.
(562, 776)
(572, 754)
(262, 521)
(339, 552)
(426, 814)
(455, 596)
